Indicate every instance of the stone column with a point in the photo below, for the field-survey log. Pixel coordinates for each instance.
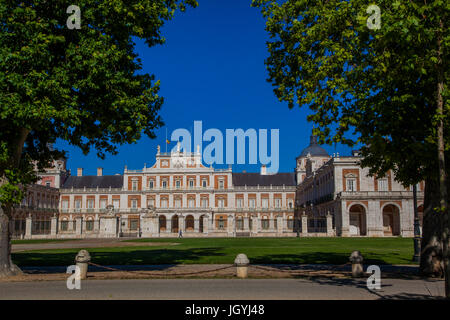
(271, 223)
(345, 220)
(304, 224)
(230, 225)
(246, 223)
(205, 224)
(181, 220)
(54, 226)
(329, 225)
(279, 224)
(197, 224)
(168, 225)
(78, 221)
(28, 226)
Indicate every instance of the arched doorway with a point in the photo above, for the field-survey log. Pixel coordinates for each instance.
(391, 220)
(175, 224)
(357, 224)
(189, 223)
(162, 224)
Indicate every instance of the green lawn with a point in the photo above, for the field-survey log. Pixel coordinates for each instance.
(224, 250)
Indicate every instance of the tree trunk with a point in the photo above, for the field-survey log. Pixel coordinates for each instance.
(443, 203)
(7, 267)
(431, 263)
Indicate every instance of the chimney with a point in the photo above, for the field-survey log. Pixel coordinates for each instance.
(99, 172)
(79, 172)
(263, 170)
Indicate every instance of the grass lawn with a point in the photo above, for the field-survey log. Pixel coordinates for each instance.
(224, 250)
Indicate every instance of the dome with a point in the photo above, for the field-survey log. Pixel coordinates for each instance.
(314, 149)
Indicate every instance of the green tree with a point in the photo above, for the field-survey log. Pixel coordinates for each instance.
(386, 88)
(79, 85)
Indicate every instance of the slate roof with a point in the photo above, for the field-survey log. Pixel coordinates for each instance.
(93, 182)
(314, 149)
(254, 179)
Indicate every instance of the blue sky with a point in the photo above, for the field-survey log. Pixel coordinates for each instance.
(211, 69)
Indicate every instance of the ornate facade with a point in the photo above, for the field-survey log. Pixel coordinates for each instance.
(179, 196)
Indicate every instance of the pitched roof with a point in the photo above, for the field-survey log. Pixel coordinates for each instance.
(93, 182)
(254, 179)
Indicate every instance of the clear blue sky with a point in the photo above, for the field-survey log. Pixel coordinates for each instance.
(211, 69)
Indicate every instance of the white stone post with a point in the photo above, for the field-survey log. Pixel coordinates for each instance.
(329, 225)
(28, 226)
(304, 224)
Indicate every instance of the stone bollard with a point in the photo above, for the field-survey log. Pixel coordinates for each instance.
(82, 259)
(241, 263)
(357, 267)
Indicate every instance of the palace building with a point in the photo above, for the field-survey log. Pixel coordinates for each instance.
(178, 195)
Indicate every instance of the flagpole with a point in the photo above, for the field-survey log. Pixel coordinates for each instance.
(166, 140)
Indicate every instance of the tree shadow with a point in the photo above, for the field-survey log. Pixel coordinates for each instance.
(325, 258)
(156, 259)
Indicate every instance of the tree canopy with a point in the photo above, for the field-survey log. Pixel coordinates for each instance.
(84, 86)
(364, 85)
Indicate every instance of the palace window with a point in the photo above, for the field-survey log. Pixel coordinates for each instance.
(382, 185)
(103, 204)
(134, 185)
(178, 184)
(204, 183)
(204, 202)
(48, 184)
(77, 204)
(191, 183)
(240, 223)
(89, 225)
(351, 184)
(265, 223)
(221, 203)
(164, 184)
(134, 224)
(164, 203)
(290, 223)
(251, 203)
(151, 184)
(177, 203)
(116, 203)
(64, 225)
(239, 203)
(134, 203)
(90, 204)
(151, 203)
(277, 203)
(221, 224)
(221, 184)
(65, 204)
(265, 203)
(191, 203)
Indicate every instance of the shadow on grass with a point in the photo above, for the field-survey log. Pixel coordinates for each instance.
(134, 257)
(314, 258)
